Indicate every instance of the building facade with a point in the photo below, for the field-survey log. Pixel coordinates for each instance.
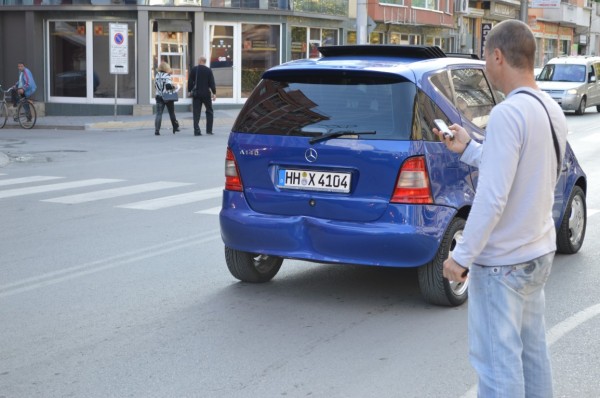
(567, 27)
(90, 57)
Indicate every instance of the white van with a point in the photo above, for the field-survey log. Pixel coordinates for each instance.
(574, 82)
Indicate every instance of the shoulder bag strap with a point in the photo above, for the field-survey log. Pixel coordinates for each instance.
(554, 139)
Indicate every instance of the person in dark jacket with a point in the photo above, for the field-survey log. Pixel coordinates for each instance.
(201, 87)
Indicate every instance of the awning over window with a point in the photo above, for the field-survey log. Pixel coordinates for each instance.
(172, 25)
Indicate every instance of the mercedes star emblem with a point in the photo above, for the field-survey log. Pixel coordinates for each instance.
(310, 155)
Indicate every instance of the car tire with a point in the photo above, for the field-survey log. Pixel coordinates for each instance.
(252, 267)
(597, 108)
(582, 107)
(571, 232)
(436, 289)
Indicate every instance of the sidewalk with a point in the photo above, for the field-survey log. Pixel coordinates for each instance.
(223, 118)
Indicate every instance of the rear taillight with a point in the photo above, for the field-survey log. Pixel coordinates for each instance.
(233, 182)
(412, 185)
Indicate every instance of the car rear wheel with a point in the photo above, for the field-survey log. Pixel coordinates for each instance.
(434, 287)
(582, 106)
(571, 233)
(598, 108)
(252, 267)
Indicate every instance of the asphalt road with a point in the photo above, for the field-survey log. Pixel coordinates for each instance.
(114, 284)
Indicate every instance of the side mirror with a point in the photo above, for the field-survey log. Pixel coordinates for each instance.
(593, 79)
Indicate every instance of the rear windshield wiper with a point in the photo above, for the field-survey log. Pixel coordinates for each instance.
(340, 133)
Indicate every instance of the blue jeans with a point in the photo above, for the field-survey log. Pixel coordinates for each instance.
(507, 331)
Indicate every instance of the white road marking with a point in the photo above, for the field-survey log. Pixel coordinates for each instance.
(116, 192)
(556, 333)
(25, 180)
(52, 278)
(9, 193)
(591, 212)
(212, 211)
(175, 200)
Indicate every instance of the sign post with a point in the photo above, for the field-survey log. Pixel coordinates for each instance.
(119, 65)
(485, 29)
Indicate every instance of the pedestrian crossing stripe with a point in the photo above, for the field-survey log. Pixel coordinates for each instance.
(175, 200)
(213, 211)
(116, 192)
(25, 180)
(9, 193)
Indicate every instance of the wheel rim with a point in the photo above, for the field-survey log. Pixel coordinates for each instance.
(262, 263)
(458, 288)
(576, 220)
(27, 121)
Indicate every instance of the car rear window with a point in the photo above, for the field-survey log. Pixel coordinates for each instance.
(308, 103)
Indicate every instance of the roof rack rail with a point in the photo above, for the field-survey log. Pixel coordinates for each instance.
(384, 50)
(462, 55)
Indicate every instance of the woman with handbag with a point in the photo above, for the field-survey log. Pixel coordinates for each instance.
(165, 96)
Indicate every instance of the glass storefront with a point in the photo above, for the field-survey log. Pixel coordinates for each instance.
(238, 53)
(79, 68)
(222, 58)
(306, 41)
(261, 51)
(172, 48)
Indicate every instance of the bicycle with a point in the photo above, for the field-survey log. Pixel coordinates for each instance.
(25, 115)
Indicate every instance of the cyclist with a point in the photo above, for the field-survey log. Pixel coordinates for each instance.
(24, 87)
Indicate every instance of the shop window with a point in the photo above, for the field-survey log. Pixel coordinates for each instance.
(306, 41)
(104, 82)
(376, 38)
(68, 76)
(433, 41)
(299, 43)
(314, 43)
(549, 49)
(261, 51)
(172, 48)
(329, 37)
(79, 66)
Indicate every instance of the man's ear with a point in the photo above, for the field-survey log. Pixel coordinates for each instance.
(498, 56)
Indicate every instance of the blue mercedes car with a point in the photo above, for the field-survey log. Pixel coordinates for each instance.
(333, 160)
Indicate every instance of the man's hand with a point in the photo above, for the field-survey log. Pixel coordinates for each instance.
(454, 272)
(460, 141)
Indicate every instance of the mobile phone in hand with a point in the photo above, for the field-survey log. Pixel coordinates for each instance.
(443, 127)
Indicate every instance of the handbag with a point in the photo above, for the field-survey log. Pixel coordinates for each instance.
(170, 96)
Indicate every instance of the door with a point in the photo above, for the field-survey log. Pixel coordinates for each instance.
(223, 58)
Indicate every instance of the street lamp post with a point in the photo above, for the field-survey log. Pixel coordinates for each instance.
(524, 13)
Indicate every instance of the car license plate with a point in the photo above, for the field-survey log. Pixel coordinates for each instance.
(314, 180)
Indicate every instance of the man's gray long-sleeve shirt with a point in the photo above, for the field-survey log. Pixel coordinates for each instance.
(511, 218)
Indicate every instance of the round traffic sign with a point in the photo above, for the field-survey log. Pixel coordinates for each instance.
(119, 38)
